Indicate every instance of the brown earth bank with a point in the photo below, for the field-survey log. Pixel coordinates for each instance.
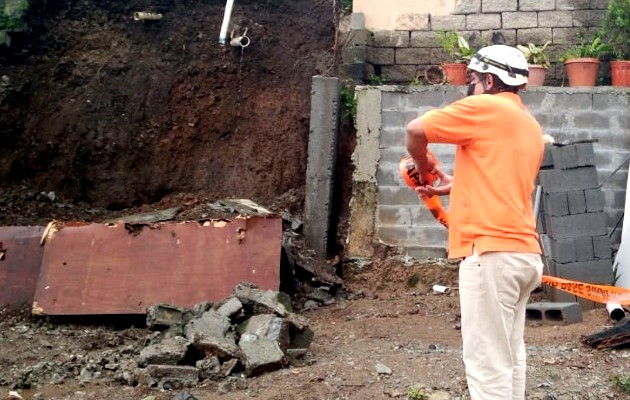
(109, 113)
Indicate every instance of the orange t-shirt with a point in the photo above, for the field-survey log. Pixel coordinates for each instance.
(499, 151)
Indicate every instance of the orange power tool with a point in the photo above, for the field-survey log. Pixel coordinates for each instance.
(413, 178)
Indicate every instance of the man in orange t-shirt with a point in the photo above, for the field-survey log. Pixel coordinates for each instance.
(492, 224)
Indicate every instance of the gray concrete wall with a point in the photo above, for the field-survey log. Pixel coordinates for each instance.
(401, 55)
(385, 211)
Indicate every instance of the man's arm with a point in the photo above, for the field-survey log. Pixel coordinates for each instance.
(416, 143)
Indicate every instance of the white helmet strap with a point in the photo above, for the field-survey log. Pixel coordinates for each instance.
(512, 71)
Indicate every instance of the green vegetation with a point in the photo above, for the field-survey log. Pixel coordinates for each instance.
(415, 393)
(536, 54)
(349, 103)
(615, 29)
(622, 383)
(346, 6)
(376, 80)
(413, 280)
(11, 15)
(456, 46)
(595, 49)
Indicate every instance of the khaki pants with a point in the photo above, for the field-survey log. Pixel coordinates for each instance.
(494, 289)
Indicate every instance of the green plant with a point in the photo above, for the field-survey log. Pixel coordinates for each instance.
(376, 80)
(349, 102)
(536, 54)
(595, 49)
(346, 6)
(416, 81)
(622, 383)
(415, 393)
(456, 46)
(413, 280)
(615, 29)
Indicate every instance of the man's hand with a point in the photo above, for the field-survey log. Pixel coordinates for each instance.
(441, 189)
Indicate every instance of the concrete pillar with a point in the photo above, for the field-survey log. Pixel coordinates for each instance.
(320, 168)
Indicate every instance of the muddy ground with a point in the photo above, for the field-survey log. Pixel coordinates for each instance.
(390, 336)
(102, 116)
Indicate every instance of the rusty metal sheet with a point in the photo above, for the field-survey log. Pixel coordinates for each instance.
(107, 269)
(20, 262)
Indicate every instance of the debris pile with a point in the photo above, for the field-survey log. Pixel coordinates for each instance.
(248, 333)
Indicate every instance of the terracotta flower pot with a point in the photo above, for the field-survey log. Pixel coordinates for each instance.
(455, 73)
(620, 73)
(536, 75)
(582, 71)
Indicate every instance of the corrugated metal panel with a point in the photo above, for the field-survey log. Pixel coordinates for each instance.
(109, 269)
(21, 263)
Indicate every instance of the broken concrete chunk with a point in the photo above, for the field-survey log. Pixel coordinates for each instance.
(211, 334)
(162, 316)
(201, 308)
(170, 351)
(268, 326)
(260, 355)
(276, 302)
(229, 307)
(171, 377)
(209, 368)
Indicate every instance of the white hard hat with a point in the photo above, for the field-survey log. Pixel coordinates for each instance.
(507, 63)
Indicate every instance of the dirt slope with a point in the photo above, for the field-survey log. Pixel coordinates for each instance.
(110, 112)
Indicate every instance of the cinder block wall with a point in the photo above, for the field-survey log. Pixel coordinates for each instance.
(385, 211)
(401, 56)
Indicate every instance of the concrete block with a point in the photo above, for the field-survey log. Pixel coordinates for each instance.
(602, 247)
(564, 157)
(562, 251)
(572, 4)
(381, 55)
(555, 204)
(537, 5)
(571, 179)
(577, 202)
(498, 5)
(391, 38)
(467, 7)
(547, 157)
(357, 21)
(583, 248)
(595, 200)
(567, 313)
(412, 55)
(573, 226)
(447, 22)
(483, 21)
(586, 154)
(553, 19)
(595, 271)
(517, 20)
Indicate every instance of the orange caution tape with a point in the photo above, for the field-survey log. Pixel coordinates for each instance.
(598, 293)
(413, 179)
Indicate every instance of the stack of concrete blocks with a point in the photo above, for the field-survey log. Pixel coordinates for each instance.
(572, 222)
(356, 43)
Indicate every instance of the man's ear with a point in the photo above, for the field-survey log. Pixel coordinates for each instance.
(489, 81)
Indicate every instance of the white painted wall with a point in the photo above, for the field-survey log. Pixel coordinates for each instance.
(399, 14)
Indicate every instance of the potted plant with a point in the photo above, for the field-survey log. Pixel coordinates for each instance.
(538, 62)
(456, 46)
(615, 31)
(581, 61)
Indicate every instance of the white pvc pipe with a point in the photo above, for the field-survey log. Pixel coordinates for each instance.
(615, 311)
(226, 22)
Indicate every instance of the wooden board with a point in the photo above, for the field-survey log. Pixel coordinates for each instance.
(21, 263)
(101, 269)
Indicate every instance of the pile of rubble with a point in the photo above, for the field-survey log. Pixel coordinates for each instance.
(251, 332)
